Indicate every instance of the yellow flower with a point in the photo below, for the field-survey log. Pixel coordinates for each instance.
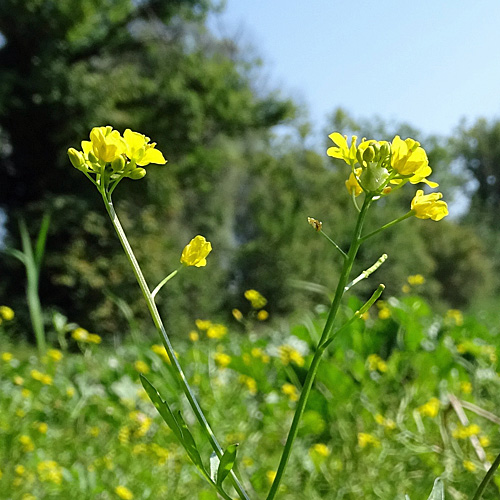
(416, 279)
(466, 387)
(256, 300)
(105, 143)
(54, 354)
(431, 408)
(7, 356)
(203, 324)
(194, 336)
(365, 439)
(262, 315)
(289, 354)
(429, 206)
(139, 150)
(196, 251)
(50, 471)
(237, 315)
(407, 157)
(484, 441)
(6, 313)
(216, 331)
(141, 367)
(270, 474)
(291, 391)
(80, 334)
(20, 470)
(160, 350)
(342, 150)
(384, 313)
(222, 359)
(375, 362)
(469, 465)
(321, 449)
(454, 315)
(352, 183)
(250, 382)
(27, 443)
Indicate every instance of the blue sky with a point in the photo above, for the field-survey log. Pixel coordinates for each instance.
(427, 63)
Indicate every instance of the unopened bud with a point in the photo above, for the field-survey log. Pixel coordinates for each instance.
(118, 163)
(137, 173)
(385, 149)
(387, 190)
(369, 154)
(76, 158)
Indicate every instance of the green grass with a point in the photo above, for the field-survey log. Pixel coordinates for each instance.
(371, 430)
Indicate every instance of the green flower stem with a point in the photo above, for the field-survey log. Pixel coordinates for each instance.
(162, 282)
(166, 341)
(388, 225)
(324, 341)
(487, 479)
(334, 244)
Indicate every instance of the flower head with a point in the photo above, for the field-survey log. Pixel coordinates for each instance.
(342, 150)
(352, 183)
(196, 251)
(429, 206)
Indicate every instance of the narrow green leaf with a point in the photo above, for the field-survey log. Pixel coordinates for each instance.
(214, 466)
(437, 492)
(226, 463)
(42, 239)
(190, 444)
(162, 407)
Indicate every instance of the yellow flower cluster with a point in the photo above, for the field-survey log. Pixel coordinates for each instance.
(376, 165)
(250, 383)
(431, 408)
(321, 449)
(44, 378)
(141, 367)
(256, 300)
(415, 280)
(291, 391)
(365, 439)
(160, 350)
(6, 313)
(82, 335)
(222, 359)
(124, 493)
(454, 316)
(289, 354)
(50, 471)
(213, 330)
(388, 423)
(109, 152)
(376, 363)
(464, 432)
(258, 353)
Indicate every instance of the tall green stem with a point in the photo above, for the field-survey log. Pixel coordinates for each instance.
(325, 337)
(164, 337)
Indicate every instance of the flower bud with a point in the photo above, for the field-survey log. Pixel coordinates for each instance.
(137, 173)
(76, 158)
(93, 157)
(118, 163)
(369, 154)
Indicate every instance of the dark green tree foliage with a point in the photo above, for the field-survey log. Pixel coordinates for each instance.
(150, 66)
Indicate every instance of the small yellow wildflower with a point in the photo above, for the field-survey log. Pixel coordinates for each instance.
(270, 474)
(160, 350)
(140, 150)
(257, 301)
(7, 357)
(431, 408)
(94, 431)
(250, 383)
(19, 470)
(469, 465)
(289, 354)
(194, 336)
(342, 150)
(262, 315)
(484, 441)
(7, 313)
(406, 288)
(27, 443)
(196, 251)
(375, 362)
(80, 334)
(462, 432)
(26, 393)
(384, 313)
(216, 331)
(41, 377)
(70, 392)
(352, 183)
(454, 316)
(291, 391)
(141, 366)
(222, 359)
(55, 355)
(416, 279)
(18, 380)
(124, 493)
(42, 427)
(407, 157)
(388, 423)
(466, 387)
(429, 206)
(237, 314)
(365, 439)
(124, 434)
(321, 449)
(94, 338)
(203, 324)
(50, 471)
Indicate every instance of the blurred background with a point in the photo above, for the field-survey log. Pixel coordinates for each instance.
(240, 97)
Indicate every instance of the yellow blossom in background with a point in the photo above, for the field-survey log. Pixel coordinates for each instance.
(466, 387)
(26, 443)
(50, 471)
(289, 354)
(406, 288)
(454, 316)
(93, 338)
(237, 315)
(194, 336)
(469, 465)
(365, 439)
(250, 383)
(7, 357)
(203, 324)
(70, 392)
(216, 331)
(124, 493)
(222, 359)
(431, 408)
(141, 366)
(270, 474)
(385, 422)
(262, 315)
(124, 434)
(462, 432)
(41, 377)
(160, 350)
(82, 335)
(321, 449)
(18, 380)
(256, 300)
(484, 441)
(416, 279)
(375, 362)
(6, 313)
(196, 251)
(384, 313)
(94, 431)
(25, 393)
(291, 391)
(55, 355)
(429, 206)
(19, 470)
(352, 184)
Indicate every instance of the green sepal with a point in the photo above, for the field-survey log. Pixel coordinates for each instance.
(226, 463)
